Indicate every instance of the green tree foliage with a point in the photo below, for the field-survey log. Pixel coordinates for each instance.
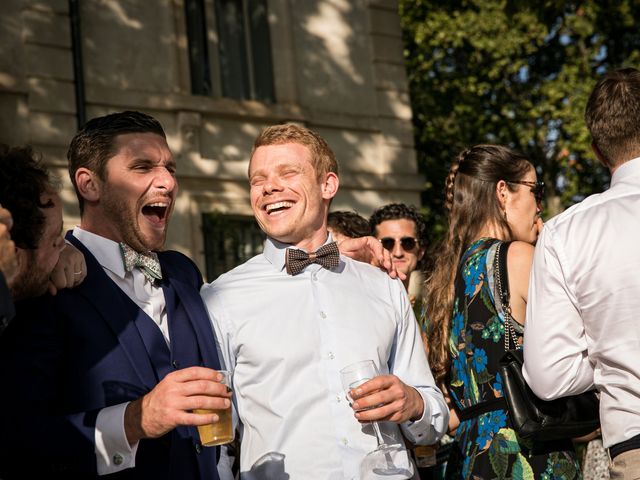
(516, 73)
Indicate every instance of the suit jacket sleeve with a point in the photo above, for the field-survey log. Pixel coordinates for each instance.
(34, 436)
(6, 304)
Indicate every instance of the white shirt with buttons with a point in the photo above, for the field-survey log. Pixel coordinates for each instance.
(287, 339)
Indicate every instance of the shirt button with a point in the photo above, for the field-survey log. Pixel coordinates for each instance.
(117, 459)
(323, 315)
(198, 447)
(314, 276)
(338, 399)
(345, 441)
(175, 364)
(331, 356)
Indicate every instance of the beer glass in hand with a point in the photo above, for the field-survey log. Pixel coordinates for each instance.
(386, 461)
(220, 432)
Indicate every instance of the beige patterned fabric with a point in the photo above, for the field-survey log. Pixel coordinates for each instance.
(147, 262)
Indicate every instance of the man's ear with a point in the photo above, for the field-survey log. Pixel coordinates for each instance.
(330, 186)
(22, 259)
(88, 184)
(601, 158)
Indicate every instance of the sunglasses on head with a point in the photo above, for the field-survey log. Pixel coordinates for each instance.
(537, 188)
(407, 243)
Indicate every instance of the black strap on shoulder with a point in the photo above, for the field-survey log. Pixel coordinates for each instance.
(501, 251)
(482, 407)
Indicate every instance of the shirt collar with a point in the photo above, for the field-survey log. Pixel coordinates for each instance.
(274, 251)
(107, 252)
(630, 168)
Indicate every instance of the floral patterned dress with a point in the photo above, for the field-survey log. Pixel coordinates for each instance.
(487, 448)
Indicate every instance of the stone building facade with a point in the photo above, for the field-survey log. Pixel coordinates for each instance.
(215, 72)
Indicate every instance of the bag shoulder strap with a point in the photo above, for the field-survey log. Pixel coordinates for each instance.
(501, 279)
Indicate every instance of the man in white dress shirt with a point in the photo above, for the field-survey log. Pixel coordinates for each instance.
(582, 325)
(288, 327)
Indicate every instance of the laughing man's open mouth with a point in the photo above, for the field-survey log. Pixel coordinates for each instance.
(156, 212)
(278, 207)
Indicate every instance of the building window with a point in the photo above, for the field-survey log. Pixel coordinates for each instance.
(229, 240)
(198, 47)
(240, 61)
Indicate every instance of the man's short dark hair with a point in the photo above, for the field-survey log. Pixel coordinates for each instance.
(23, 180)
(397, 211)
(349, 224)
(94, 144)
(613, 115)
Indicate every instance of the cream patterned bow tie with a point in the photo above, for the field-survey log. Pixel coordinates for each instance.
(296, 260)
(148, 262)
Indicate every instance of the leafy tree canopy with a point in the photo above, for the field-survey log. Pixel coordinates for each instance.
(517, 73)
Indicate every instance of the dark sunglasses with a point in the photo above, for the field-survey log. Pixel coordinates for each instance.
(407, 243)
(537, 188)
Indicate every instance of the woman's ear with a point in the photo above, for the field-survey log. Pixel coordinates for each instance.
(502, 191)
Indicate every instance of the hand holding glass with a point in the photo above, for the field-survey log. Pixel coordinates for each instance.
(220, 432)
(388, 461)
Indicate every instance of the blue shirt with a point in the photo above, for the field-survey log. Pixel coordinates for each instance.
(287, 337)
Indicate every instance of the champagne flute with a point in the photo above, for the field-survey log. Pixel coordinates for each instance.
(389, 461)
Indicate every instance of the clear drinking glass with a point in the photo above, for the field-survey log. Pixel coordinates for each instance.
(387, 461)
(220, 432)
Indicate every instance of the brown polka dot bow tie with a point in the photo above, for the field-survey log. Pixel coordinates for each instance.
(296, 260)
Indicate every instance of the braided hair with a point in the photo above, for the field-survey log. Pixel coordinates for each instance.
(472, 203)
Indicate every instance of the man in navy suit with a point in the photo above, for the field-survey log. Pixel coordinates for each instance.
(102, 379)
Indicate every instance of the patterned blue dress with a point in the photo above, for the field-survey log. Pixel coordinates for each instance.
(487, 448)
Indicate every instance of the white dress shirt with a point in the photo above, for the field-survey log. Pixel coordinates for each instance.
(287, 337)
(113, 452)
(583, 326)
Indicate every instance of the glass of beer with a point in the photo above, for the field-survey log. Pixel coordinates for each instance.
(220, 432)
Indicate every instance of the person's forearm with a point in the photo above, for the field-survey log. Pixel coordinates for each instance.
(133, 422)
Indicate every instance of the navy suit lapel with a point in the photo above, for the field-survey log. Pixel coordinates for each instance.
(198, 316)
(106, 297)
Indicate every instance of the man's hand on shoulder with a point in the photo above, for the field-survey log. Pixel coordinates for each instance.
(70, 270)
(370, 250)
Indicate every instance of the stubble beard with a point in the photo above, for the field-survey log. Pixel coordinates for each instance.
(125, 222)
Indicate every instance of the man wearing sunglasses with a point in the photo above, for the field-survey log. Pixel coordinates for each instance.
(401, 230)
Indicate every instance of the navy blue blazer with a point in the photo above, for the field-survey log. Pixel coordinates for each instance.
(64, 358)
(6, 305)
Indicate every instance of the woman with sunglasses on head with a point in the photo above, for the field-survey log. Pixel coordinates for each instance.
(492, 195)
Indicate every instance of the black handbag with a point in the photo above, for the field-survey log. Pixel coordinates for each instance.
(531, 417)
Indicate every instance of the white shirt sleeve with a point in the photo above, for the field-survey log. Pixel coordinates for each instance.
(411, 365)
(555, 345)
(113, 452)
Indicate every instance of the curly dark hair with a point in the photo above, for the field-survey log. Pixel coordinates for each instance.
(23, 180)
(350, 224)
(397, 211)
(94, 144)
